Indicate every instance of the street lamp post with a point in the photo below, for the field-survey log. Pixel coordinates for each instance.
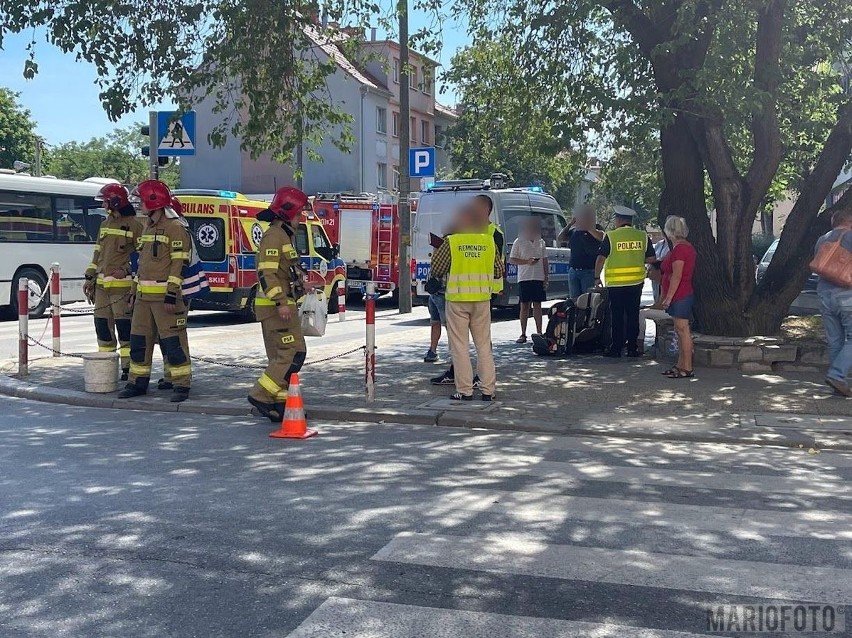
(404, 264)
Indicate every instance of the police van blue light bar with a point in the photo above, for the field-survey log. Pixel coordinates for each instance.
(535, 189)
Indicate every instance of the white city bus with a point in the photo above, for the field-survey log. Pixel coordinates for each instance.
(45, 220)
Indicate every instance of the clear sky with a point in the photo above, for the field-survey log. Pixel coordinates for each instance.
(63, 98)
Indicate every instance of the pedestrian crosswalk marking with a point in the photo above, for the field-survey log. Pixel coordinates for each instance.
(528, 506)
(369, 619)
(519, 554)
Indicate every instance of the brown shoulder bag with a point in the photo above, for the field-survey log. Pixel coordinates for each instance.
(834, 263)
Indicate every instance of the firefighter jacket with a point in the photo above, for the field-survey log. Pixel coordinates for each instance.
(164, 249)
(277, 267)
(117, 240)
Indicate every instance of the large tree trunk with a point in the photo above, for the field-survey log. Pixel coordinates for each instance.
(716, 308)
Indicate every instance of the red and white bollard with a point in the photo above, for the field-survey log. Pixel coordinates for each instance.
(23, 326)
(56, 302)
(370, 376)
(341, 301)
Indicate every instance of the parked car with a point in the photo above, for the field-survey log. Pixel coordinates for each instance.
(807, 303)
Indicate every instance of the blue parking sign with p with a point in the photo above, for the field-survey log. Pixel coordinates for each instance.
(421, 162)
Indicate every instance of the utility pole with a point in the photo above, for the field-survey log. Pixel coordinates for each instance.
(404, 172)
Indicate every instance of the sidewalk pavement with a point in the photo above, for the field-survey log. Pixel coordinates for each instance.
(584, 395)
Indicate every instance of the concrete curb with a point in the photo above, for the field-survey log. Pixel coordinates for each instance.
(789, 438)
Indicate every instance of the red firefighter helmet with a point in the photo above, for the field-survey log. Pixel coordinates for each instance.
(288, 202)
(153, 194)
(114, 196)
(177, 206)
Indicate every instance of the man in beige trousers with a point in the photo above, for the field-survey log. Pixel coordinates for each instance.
(470, 261)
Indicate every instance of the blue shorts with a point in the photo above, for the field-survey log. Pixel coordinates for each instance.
(682, 308)
(437, 309)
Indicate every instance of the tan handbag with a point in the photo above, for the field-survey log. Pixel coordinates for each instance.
(834, 263)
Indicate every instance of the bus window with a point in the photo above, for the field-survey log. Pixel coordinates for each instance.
(25, 217)
(71, 219)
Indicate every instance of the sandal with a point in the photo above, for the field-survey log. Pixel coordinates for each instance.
(681, 374)
(522, 339)
(669, 372)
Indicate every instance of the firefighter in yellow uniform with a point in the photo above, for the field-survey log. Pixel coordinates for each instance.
(158, 307)
(109, 276)
(281, 283)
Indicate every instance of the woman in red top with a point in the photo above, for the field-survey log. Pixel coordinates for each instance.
(677, 293)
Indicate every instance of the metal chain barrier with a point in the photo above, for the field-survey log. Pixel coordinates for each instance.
(242, 366)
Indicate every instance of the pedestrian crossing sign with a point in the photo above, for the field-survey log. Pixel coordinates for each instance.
(176, 132)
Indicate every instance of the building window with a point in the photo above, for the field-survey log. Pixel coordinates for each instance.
(381, 120)
(439, 136)
(396, 70)
(428, 81)
(395, 125)
(382, 175)
(396, 178)
(412, 78)
(413, 128)
(424, 132)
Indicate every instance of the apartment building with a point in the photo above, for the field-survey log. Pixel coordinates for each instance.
(369, 90)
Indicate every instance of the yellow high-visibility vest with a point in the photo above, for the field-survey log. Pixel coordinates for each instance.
(471, 267)
(625, 265)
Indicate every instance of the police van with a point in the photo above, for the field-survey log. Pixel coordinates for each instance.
(226, 231)
(438, 204)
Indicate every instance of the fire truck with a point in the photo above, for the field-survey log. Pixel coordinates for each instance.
(227, 234)
(365, 228)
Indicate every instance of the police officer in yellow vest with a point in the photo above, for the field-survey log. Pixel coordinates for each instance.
(280, 284)
(623, 254)
(473, 267)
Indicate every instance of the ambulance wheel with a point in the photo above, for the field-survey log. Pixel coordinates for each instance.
(247, 314)
(332, 299)
(39, 298)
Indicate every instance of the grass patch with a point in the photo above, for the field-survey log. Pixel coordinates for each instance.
(803, 329)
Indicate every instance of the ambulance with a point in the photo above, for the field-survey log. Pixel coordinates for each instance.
(366, 229)
(227, 233)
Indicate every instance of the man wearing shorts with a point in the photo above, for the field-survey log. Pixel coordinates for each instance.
(529, 254)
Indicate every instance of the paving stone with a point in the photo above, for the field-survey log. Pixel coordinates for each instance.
(775, 354)
(749, 354)
(721, 358)
(753, 367)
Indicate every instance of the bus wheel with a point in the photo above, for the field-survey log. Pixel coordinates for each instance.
(332, 299)
(39, 297)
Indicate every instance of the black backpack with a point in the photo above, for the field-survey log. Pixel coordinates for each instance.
(558, 338)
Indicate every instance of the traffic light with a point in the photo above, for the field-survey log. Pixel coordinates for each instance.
(161, 161)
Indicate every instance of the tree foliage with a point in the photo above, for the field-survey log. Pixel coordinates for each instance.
(116, 155)
(493, 135)
(17, 130)
(746, 95)
(633, 177)
(263, 64)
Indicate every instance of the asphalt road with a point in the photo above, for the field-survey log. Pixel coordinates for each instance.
(135, 524)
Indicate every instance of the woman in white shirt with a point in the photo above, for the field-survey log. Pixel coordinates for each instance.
(529, 254)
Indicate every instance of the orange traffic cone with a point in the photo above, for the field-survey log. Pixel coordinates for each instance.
(294, 425)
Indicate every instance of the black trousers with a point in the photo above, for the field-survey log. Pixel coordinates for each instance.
(624, 302)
